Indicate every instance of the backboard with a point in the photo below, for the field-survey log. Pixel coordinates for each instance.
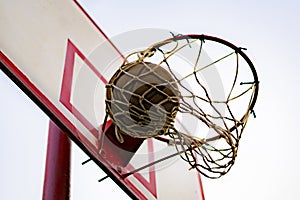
(48, 49)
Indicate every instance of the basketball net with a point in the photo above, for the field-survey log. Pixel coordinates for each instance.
(150, 97)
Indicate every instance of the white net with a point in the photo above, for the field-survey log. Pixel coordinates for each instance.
(173, 92)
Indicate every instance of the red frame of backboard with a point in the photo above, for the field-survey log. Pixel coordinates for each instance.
(65, 100)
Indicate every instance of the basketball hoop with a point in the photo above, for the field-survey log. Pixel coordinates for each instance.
(148, 95)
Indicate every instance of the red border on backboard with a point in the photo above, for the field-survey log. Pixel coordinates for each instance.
(67, 81)
(65, 99)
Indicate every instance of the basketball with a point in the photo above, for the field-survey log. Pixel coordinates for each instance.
(142, 99)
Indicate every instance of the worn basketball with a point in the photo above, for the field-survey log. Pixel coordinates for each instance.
(142, 99)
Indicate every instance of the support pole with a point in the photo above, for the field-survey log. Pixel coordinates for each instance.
(57, 170)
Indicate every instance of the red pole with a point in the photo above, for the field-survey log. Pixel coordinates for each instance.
(57, 170)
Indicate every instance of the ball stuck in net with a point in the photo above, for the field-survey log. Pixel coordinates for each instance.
(142, 99)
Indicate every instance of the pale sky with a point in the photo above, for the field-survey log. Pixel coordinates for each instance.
(266, 166)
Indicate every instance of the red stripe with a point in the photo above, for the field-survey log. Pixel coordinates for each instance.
(201, 186)
(67, 81)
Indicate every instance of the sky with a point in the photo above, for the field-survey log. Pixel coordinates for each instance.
(266, 166)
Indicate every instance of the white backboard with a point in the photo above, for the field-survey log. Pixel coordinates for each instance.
(46, 48)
